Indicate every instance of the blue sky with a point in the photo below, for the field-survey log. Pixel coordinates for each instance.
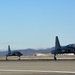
(35, 23)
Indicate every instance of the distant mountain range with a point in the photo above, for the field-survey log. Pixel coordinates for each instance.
(29, 51)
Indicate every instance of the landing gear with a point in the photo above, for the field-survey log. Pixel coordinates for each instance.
(74, 55)
(19, 58)
(55, 57)
(6, 57)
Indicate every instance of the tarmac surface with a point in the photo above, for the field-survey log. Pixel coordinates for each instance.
(50, 67)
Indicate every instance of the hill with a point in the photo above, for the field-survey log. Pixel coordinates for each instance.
(29, 51)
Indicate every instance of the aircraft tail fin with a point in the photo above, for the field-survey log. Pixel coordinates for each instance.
(9, 50)
(57, 43)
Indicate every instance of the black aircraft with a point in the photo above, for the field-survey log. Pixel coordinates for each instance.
(13, 53)
(62, 49)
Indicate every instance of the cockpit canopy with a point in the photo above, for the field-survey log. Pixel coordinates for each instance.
(71, 45)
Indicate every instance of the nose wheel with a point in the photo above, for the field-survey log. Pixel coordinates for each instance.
(55, 57)
(6, 57)
(74, 55)
(19, 58)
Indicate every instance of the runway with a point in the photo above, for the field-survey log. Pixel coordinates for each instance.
(38, 71)
(37, 67)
